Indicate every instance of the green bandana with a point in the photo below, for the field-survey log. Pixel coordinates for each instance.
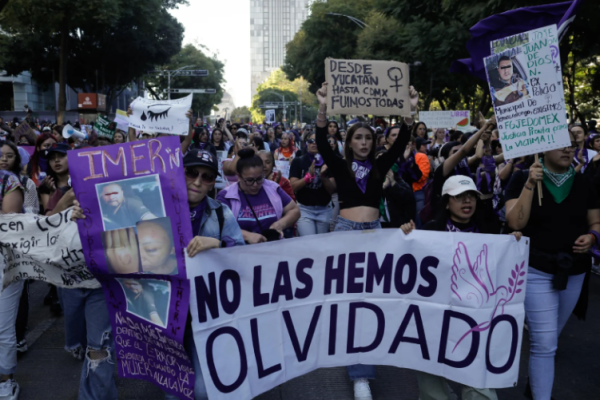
(559, 185)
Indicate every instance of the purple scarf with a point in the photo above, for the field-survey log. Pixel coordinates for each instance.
(450, 227)
(196, 216)
(585, 157)
(462, 168)
(317, 159)
(202, 145)
(43, 163)
(361, 169)
(489, 166)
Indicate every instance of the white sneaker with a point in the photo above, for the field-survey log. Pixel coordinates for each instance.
(362, 391)
(9, 390)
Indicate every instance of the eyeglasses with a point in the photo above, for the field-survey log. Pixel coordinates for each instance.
(572, 147)
(311, 141)
(465, 195)
(193, 173)
(252, 181)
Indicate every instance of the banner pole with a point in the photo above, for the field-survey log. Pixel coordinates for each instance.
(539, 184)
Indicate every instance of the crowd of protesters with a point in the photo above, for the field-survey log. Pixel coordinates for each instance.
(392, 175)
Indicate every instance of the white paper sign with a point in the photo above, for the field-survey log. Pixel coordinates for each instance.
(43, 248)
(283, 166)
(221, 182)
(261, 316)
(122, 120)
(527, 92)
(445, 119)
(270, 116)
(161, 116)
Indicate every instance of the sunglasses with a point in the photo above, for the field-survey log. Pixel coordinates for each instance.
(252, 181)
(310, 141)
(193, 173)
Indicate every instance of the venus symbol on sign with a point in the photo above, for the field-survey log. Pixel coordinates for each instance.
(396, 77)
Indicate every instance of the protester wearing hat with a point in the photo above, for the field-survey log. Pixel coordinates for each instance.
(11, 201)
(562, 230)
(459, 211)
(58, 170)
(252, 196)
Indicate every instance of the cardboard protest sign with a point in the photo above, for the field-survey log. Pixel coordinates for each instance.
(134, 236)
(102, 126)
(358, 87)
(23, 130)
(161, 116)
(526, 87)
(445, 119)
(43, 248)
(283, 166)
(262, 316)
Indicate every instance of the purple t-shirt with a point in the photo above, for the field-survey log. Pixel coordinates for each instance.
(262, 207)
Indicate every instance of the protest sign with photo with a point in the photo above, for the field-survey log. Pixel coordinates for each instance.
(103, 127)
(43, 248)
(357, 87)
(526, 86)
(445, 119)
(262, 316)
(270, 116)
(134, 237)
(161, 116)
(283, 166)
(221, 182)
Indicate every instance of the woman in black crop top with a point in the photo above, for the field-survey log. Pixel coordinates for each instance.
(359, 180)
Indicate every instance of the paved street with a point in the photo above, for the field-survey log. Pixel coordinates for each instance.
(48, 372)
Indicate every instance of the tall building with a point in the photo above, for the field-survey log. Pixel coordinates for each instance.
(273, 23)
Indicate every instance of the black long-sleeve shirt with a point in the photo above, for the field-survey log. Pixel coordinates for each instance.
(349, 193)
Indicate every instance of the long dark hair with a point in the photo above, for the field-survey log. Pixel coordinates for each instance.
(349, 154)
(414, 131)
(199, 131)
(16, 168)
(337, 134)
(443, 214)
(222, 142)
(35, 158)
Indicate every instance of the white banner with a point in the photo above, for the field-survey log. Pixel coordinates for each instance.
(262, 316)
(43, 248)
(445, 119)
(161, 116)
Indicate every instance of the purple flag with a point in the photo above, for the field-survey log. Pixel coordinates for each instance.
(134, 237)
(511, 23)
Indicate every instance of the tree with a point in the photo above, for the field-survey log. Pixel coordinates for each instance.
(241, 114)
(190, 55)
(108, 41)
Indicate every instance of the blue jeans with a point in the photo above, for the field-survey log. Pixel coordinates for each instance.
(358, 371)
(86, 309)
(313, 220)
(9, 306)
(199, 386)
(547, 311)
(420, 199)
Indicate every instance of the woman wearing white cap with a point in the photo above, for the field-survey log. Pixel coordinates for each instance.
(459, 211)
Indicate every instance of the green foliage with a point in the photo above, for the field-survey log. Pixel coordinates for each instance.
(241, 113)
(192, 56)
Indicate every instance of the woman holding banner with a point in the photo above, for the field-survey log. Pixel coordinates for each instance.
(562, 228)
(11, 201)
(359, 179)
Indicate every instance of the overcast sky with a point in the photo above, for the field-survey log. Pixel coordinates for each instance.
(224, 27)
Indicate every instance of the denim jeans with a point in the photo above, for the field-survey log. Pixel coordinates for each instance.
(434, 387)
(313, 220)
(86, 311)
(335, 201)
(199, 386)
(420, 200)
(358, 371)
(9, 305)
(547, 311)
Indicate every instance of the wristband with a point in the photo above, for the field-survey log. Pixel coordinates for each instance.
(308, 178)
(595, 235)
(527, 187)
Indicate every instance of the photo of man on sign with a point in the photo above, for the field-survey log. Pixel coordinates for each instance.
(508, 81)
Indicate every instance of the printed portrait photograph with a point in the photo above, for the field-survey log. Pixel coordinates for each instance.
(121, 251)
(147, 299)
(123, 203)
(507, 77)
(156, 247)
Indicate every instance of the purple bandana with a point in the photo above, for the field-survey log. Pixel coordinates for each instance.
(585, 157)
(317, 159)
(361, 169)
(196, 216)
(202, 145)
(450, 227)
(43, 163)
(489, 166)
(462, 168)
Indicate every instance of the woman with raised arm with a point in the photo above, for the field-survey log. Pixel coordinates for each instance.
(562, 229)
(359, 179)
